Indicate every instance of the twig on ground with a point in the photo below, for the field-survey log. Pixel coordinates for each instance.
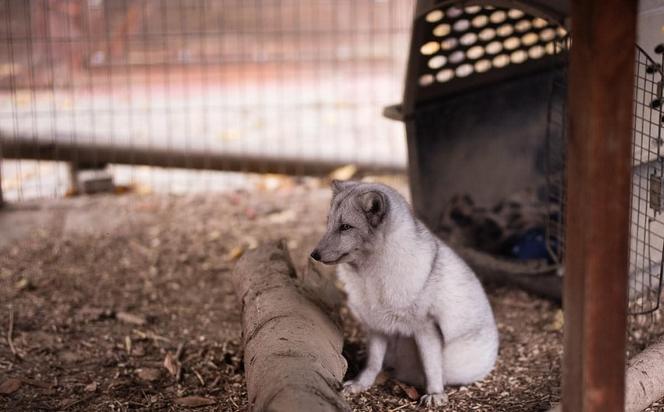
(178, 352)
(10, 333)
(178, 355)
(77, 401)
(198, 375)
(39, 384)
(150, 335)
(215, 382)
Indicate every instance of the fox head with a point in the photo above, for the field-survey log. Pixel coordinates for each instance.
(358, 218)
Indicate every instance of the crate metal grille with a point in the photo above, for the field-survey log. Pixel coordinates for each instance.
(472, 40)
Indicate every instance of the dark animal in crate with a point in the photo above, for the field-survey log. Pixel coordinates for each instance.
(425, 311)
(511, 228)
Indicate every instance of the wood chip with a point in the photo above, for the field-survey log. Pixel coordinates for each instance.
(128, 344)
(251, 242)
(24, 284)
(10, 386)
(235, 253)
(36, 383)
(148, 374)
(150, 335)
(91, 387)
(131, 318)
(284, 216)
(557, 323)
(195, 401)
(138, 351)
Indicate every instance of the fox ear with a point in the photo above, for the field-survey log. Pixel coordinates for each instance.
(374, 204)
(341, 185)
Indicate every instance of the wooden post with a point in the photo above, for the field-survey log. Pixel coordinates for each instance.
(2, 201)
(599, 178)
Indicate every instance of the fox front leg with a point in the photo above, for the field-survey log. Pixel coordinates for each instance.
(377, 348)
(430, 345)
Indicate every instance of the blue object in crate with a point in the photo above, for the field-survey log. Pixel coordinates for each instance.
(530, 246)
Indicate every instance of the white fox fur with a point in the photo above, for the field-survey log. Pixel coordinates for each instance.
(425, 311)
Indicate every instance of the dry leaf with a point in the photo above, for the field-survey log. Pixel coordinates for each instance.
(91, 387)
(148, 374)
(131, 318)
(343, 173)
(171, 364)
(195, 401)
(250, 213)
(10, 386)
(68, 356)
(409, 391)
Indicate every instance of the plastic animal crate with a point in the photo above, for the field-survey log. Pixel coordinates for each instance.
(485, 112)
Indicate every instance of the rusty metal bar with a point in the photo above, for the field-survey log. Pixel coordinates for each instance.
(87, 151)
(599, 167)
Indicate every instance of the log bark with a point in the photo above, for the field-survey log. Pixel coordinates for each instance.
(644, 380)
(292, 339)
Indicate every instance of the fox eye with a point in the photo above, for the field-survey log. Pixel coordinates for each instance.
(345, 227)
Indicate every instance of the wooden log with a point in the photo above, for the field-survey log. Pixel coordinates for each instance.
(292, 344)
(644, 380)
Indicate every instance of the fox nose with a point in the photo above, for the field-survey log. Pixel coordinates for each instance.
(315, 255)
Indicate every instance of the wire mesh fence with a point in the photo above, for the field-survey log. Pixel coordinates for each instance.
(246, 86)
(646, 203)
(647, 227)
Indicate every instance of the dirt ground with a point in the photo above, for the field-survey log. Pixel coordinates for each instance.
(124, 303)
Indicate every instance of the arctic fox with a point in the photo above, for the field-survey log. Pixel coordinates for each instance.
(426, 315)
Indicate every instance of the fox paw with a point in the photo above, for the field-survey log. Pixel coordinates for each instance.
(354, 387)
(433, 400)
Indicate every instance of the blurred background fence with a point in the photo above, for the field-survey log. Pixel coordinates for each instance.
(146, 90)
